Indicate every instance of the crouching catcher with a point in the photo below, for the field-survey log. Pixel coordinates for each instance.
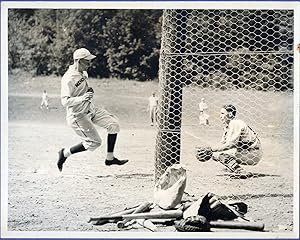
(240, 145)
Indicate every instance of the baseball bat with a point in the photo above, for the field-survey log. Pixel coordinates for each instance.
(141, 208)
(167, 214)
(104, 221)
(253, 226)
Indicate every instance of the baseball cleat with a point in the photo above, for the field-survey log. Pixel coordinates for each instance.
(115, 161)
(61, 159)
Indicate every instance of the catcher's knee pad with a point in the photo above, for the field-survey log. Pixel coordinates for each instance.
(229, 161)
(113, 128)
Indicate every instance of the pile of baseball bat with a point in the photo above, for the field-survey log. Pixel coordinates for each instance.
(145, 216)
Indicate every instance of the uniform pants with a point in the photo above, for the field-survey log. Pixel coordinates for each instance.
(85, 126)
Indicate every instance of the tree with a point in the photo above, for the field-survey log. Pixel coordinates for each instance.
(126, 42)
(132, 44)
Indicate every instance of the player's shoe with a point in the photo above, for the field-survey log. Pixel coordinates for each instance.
(115, 161)
(61, 159)
(241, 174)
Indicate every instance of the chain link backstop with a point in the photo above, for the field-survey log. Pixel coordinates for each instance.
(237, 56)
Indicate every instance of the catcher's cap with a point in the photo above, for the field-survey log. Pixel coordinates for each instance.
(83, 53)
(230, 108)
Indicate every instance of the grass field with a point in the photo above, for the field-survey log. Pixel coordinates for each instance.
(41, 199)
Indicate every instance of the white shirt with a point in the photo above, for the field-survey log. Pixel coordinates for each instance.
(44, 96)
(240, 134)
(74, 85)
(203, 106)
(152, 101)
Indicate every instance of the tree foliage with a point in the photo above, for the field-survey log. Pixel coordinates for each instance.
(126, 42)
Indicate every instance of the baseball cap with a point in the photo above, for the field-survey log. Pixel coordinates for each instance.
(230, 108)
(83, 53)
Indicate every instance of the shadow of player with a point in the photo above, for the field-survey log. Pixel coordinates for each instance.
(254, 175)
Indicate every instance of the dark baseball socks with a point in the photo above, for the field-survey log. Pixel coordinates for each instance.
(110, 159)
(75, 149)
(111, 141)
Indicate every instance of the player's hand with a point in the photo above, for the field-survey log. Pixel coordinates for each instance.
(87, 96)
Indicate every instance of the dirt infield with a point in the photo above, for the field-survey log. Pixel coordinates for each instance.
(42, 199)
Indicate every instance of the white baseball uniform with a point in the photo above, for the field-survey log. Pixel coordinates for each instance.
(44, 100)
(202, 106)
(248, 148)
(82, 115)
(152, 105)
(203, 116)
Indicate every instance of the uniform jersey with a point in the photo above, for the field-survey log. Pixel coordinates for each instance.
(73, 85)
(241, 135)
(152, 102)
(202, 106)
(44, 96)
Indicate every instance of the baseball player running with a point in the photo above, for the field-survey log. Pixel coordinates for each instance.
(239, 144)
(77, 97)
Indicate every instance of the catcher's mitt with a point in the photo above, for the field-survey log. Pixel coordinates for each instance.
(204, 154)
(192, 224)
(213, 209)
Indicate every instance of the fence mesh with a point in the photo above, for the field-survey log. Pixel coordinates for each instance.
(239, 57)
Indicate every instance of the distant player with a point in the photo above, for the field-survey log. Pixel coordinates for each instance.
(152, 108)
(239, 143)
(203, 116)
(82, 116)
(44, 102)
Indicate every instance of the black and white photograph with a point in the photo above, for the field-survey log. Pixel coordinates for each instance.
(150, 119)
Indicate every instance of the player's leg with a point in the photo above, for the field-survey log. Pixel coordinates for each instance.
(249, 157)
(201, 119)
(42, 104)
(108, 121)
(47, 104)
(154, 114)
(90, 139)
(206, 119)
(64, 153)
(231, 163)
(151, 116)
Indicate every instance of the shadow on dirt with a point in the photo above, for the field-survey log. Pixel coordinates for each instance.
(255, 175)
(135, 175)
(268, 195)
